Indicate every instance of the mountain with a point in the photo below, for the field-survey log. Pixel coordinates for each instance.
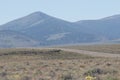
(40, 29)
(107, 27)
(14, 39)
(48, 30)
(25, 22)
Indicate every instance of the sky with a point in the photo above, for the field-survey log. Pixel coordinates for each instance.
(70, 10)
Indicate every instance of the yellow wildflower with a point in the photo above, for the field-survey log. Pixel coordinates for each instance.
(89, 78)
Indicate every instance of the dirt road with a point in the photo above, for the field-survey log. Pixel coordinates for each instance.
(94, 54)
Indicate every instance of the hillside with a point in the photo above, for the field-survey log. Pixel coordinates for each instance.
(10, 39)
(48, 30)
(107, 27)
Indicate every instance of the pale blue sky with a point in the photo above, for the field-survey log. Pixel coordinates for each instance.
(71, 10)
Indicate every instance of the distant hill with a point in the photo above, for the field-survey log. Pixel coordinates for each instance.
(40, 29)
(107, 27)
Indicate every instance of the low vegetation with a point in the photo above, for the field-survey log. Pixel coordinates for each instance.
(37, 64)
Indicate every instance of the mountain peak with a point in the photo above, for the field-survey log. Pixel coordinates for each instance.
(26, 21)
(38, 14)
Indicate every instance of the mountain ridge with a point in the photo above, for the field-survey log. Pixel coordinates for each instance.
(46, 30)
(108, 26)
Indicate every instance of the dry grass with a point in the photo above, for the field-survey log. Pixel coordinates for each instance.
(35, 64)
